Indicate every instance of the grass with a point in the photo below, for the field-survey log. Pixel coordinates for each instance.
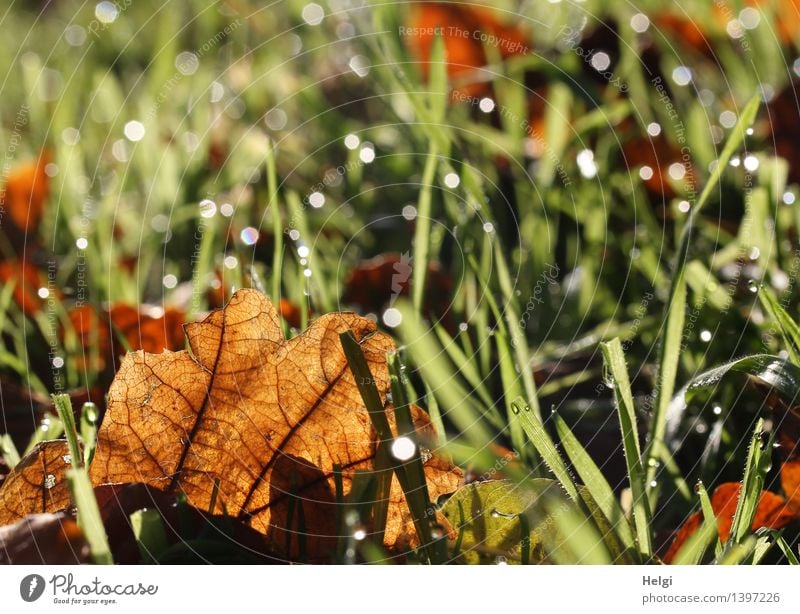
(558, 306)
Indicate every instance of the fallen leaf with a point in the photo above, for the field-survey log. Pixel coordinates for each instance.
(376, 283)
(486, 518)
(27, 280)
(145, 327)
(771, 512)
(463, 27)
(37, 484)
(657, 154)
(25, 193)
(43, 539)
(185, 528)
(265, 418)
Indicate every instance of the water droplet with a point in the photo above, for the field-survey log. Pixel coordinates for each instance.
(67, 458)
(392, 317)
(653, 484)
(208, 208)
(717, 410)
(49, 481)
(500, 560)
(495, 513)
(403, 448)
(515, 408)
(359, 534)
(249, 235)
(753, 286)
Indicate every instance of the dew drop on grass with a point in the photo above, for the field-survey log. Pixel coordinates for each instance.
(403, 448)
(753, 286)
(249, 235)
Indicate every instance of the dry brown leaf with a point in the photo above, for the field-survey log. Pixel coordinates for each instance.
(25, 192)
(772, 512)
(37, 484)
(51, 539)
(266, 417)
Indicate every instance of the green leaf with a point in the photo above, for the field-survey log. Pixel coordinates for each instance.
(500, 520)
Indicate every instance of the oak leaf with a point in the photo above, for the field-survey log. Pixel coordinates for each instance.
(266, 419)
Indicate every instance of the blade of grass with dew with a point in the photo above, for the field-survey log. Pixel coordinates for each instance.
(758, 463)
(415, 486)
(674, 315)
(50, 427)
(534, 428)
(324, 293)
(708, 515)
(151, 538)
(790, 331)
(518, 340)
(421, 345)
(89, 416)
(64, 408)
(614, 360)
(691, 553)
(89, 519)
(372, 401)
(465, 365)
(594, 481)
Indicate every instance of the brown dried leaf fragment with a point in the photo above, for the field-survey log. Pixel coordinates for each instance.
(265, 417)
(38, 483)
(43, 539)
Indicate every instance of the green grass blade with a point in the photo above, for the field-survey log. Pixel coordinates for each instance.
(595, 482)
(541, 440)
(675, 310)
(64, 408)
(614, 360)
(758, 463)
(151, 538)
(422, 233)
(8, 451)
(89, 519)
(790, 331)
